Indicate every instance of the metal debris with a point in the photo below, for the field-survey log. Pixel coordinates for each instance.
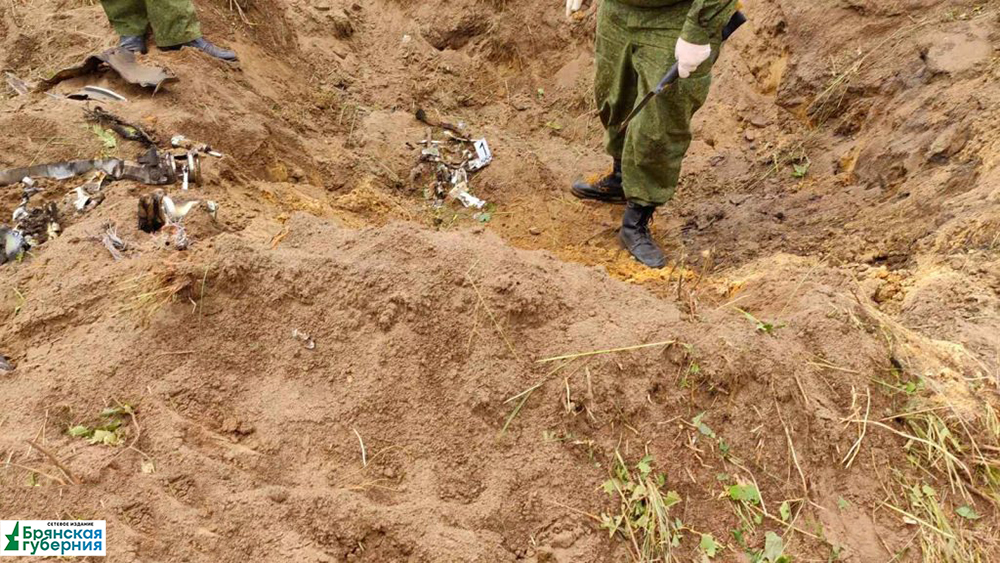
(176, 213)
(113, 242)
(307, 340)
(154, 168)
(182, 142)
(35, 224)
(13, 245)
(470, 200)
(97, 94)
(213, 209)
(89, 195)
(157, 209)
(16, 84)
(453, 160)
(179, 235)
(5, 365)
(460, 191)
(122, 62)
(422, 116)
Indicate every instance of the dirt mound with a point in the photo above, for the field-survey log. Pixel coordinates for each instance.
(380, 378)
(414, 361)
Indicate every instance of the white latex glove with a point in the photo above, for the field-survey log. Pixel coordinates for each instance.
(690, 56)
(573, 6)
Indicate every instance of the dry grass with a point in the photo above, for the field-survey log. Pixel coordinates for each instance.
(147, 293)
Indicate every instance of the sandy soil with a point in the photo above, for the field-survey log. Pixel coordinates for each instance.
(832, 301)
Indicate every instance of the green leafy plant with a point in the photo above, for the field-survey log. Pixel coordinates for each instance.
(642, 517)
(709, 546)
(785, 511)
(746, 498)
(106, 433)
(763, 327)
(107, 138)
(967, 512)
(774, 550)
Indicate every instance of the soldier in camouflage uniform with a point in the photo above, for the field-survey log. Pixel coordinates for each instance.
(637, 42)
(174, 23)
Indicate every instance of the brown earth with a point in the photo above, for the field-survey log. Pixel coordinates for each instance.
(874, 276)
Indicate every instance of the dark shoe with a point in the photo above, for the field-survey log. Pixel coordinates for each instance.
(134, 43)
(207, 47)
(636, 238)
(608, 188)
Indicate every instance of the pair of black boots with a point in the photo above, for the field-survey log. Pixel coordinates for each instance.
(634, 234)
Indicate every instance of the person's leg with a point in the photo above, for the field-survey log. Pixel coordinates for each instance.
(615, 95)
(659, 137)
(615, 85)
(174, 22)
(128, 17)
(175, 25)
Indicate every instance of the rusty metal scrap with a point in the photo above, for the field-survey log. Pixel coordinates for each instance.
(122, 62)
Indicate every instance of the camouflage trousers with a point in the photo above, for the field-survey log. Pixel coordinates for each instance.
(634, 50)
(173, 21)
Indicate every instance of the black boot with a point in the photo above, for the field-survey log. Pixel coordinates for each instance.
(134, 43)
(207, 47)
(608, 188)
(636, 238)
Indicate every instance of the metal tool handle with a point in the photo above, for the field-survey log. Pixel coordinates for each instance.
(735, 22)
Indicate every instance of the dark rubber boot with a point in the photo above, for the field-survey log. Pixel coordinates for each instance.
(134, 43)
(636, 238)
(607, 189)
(207, 47)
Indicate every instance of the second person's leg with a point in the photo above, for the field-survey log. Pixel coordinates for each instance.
(128, 17)
(615, 94)
(175, 25)
(174, 22)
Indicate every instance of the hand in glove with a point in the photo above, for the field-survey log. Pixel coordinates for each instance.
(690, 56)
(573, 6)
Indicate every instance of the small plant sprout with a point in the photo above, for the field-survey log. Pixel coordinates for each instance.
(642, 517)
(762, 327)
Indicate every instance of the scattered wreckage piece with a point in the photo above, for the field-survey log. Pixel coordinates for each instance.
(33, 226)
(16, 84)
(114, 243)
(123, 128)
(96, 94)
(154, 168)
(157, 210)
(182, 142)
(12, 245)
(178, 234)
(122, 62)
(454, 160)
(90, 194)
(306, 340)
(5, 365)
(422, 117)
